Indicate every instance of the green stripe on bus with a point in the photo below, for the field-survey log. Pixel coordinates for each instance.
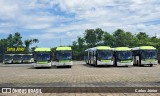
(106, 60)
(150, 60)
(64, 61)
(125, 61)
(44, 62)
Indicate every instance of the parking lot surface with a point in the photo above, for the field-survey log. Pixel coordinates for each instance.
(80, 75)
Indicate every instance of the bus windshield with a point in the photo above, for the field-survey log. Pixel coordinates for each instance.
(64, 55)
(27, 57)
(7, 57)
(43, 56)
(149, 54)
(124, 55)
(17, 57)
(105, 54)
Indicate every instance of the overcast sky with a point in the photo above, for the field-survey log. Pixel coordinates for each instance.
(52, 20)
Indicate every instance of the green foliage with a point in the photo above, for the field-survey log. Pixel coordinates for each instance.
(14, 41)
(119, 38)
(29, 42)
(108, 39)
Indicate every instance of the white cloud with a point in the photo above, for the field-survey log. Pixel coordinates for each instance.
(45, 36)
(8, 10)
(132, 15)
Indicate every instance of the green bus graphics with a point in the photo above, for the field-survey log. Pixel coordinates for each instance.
(63, 56)
(100, 55)
(8, 58)
(28, 58)
(42, 57)
(17, 58)
(145, 55)
(122, 56)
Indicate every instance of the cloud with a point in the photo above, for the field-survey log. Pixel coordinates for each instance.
(8, 10)
(67, 19)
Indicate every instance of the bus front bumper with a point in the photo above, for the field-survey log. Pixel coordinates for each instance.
(42, 65)
(149, 62)
(17, 61)
(64, 63)
(125, 64)
(27, 61)
(8, 61)
(104, 63)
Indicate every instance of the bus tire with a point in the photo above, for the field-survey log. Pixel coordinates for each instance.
(95, 65)
(138, 63)
(151, 65)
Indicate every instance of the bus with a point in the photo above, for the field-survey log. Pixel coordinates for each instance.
(17, 58)
(42, 57)
(145, 55)
(122, 56)
(63, 56)
(8, 58)
(100, 55)
(28, 58)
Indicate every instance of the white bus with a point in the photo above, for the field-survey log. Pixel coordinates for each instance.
(100, 55)
(28, 58)
(123, 56)
(17, 58)
(42, 57)
(64, 56)
(8, 58)
(145, 55)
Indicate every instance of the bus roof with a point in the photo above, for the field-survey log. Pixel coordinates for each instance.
(63, 48)
(99, 48)
(144, 48)
(42, 49)
(8, 54)
(17, 54)
(27, 54)
(103, 48)
(122, 49)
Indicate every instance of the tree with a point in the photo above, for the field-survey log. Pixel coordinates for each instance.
(143, 39)
(119, 35)
(90, 37)
(99, 36)
(35, 41)
(108, 39)
(17, 40)
(27, 43)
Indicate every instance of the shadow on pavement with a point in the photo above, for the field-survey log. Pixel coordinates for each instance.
(100, 66)
(53, 67)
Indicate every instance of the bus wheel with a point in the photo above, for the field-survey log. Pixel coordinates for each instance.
(138, 63)
(95, 64)
(151, 65)
(129, 66)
